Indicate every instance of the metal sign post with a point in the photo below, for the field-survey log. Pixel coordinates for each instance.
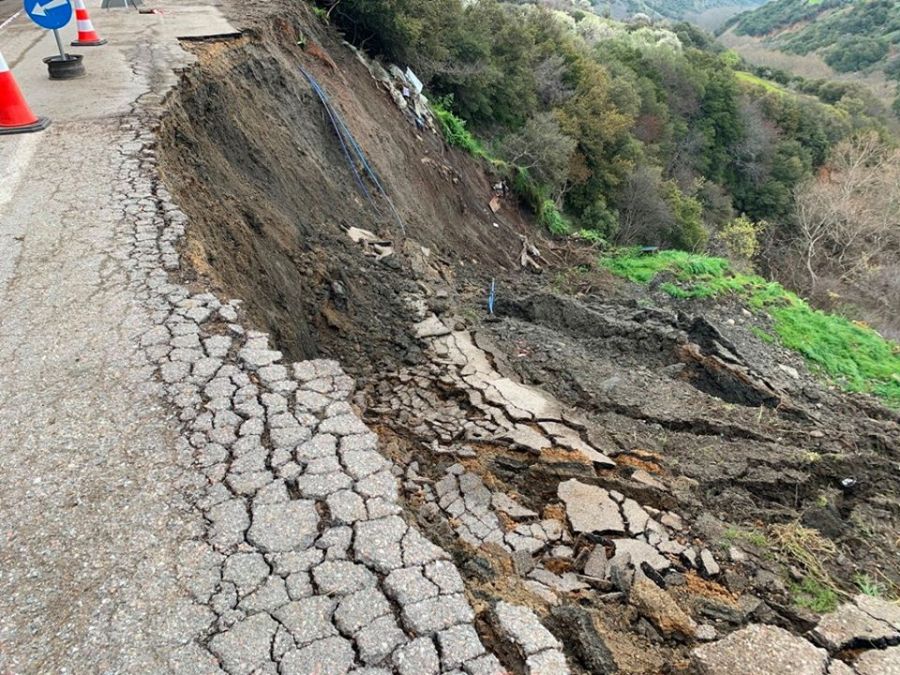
(53, 15)
(62, 52)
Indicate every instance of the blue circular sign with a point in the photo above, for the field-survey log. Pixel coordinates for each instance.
(49, 13)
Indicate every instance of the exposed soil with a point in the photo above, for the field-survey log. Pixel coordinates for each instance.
(683, 392)
(251, 151)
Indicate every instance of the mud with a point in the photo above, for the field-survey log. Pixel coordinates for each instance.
(676, 406)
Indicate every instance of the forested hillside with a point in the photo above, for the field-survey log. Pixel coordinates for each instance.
(635, 134)
(672, 9)
(850, 36)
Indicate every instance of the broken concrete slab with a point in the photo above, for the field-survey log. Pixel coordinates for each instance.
(635, 516)
(430, 328)
(526, 438)
(879, 662)
(284, 526)
(513, 509)
(641, 552)
(889, 612)
(538, 404)
(590, 509)
(521, 626)
(596, 564)
(849, 626)
(760, 650)
(246, 646)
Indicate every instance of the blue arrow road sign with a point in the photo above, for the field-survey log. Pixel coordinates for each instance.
(49, 13)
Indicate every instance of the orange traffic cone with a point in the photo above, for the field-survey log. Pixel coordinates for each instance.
(87, 36)
(15, 115)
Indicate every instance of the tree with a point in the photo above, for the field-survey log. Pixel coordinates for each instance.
(543, 149)
(550, 79)
(848, 218)
(599, 117)
(644, 216)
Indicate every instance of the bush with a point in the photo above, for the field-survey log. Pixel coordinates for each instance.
(601, 219)
(740, 238)
(856, 53)
(454, 129)
(550, 217)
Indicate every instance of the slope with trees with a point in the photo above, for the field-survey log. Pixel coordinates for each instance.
(861, 36)
(625, 133)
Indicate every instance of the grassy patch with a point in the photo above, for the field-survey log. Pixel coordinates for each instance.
(755, 538)
(753, 80)
(868, 586)
(853, 356)
(814, 595)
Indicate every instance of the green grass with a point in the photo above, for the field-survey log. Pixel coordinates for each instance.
(868, 586)
(854, 356)
(734, 535)
(768, 85)
(814, 595)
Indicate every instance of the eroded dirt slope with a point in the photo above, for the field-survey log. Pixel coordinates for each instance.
(646, 475)
(251, 149)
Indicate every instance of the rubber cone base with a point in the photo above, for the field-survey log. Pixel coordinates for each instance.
(89, 43)
(41, 124)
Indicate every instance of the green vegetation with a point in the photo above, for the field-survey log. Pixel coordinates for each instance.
(814, 595)
(854, 356)
(808, 550)
(781, 14)
(642, 134)
(454, 129)
(755, 538)
(868, 586)
(851, 36)
(755, 80)
(672, 9)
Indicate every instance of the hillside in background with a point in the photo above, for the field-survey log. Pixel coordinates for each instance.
(850, 37)
(707, 13)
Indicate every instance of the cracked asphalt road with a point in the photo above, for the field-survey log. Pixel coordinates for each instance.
(90, 501)
(252, 526)
(87, 473)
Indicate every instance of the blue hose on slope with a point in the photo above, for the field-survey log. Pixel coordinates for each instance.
(353, 153)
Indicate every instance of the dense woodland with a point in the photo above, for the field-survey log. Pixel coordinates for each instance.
(644, 134)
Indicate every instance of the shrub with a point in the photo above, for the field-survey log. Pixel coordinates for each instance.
(454, 128)
(688, 232)
(550, 217)
(740, 238)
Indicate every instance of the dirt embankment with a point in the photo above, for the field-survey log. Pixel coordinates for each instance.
(251, 152)
(698, 436)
